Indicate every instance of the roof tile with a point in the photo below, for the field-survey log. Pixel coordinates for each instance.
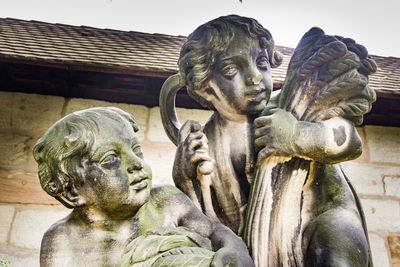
(87, 46)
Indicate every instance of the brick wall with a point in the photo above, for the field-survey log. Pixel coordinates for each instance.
(26, 211)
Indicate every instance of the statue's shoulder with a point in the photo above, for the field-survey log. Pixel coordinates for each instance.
(59, 228)
(56, 239)
(167, 195)
(163, 193)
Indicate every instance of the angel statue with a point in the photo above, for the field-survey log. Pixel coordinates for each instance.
(266, 164)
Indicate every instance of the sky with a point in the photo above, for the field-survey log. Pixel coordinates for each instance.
(374, 24)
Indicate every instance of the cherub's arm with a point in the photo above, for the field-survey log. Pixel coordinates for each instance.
(228, 247)
(191, 153)
(329, 141)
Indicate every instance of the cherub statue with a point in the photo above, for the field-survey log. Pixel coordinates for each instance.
(301, 208)
(225, 65)
(91, 161)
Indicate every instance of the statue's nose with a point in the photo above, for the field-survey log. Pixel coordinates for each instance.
(135, 165)
(257, 79)
(254, 79)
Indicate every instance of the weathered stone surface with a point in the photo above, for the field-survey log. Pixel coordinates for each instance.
(140, 113)
(392, 186)
(21, 257)
(380, 255)
(384, 143)
(382, 215)
(156, 131)
(6, 103)
(22, 187)
(394, 245)
(367, 178)
(23, 119)
(160, 157)
(31, 223)
(6, 216)
(279, 202)
(32, 114)
(15, 150)
(365, 153)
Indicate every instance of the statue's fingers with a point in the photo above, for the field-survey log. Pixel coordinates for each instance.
(262, 121)
(262, 131)
(206, 167)
(193, 136)
(195, 127)
(263, 154)
(198, 144)
(200, 156)
(270, 110)
(223, 257)
(216, 261)
(262, 141)
(204, 138)
(185, 130)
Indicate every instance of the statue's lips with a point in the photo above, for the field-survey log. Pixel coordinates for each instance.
(257, 96)
(256, 91)
(139, 185)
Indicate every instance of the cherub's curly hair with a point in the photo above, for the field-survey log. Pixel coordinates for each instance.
(202, 48)
(64, 144)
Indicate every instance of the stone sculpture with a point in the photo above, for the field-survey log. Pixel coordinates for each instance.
(302, 209)
(91, 161)
(310, 214)
(208, 68)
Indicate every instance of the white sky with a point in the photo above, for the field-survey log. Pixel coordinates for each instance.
(373, 23)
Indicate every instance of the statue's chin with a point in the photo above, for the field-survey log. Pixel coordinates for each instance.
(256, 107)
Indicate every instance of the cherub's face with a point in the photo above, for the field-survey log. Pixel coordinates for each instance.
(241, 79)
(116, 178)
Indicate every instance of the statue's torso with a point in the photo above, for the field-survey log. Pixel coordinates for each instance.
(230, 145)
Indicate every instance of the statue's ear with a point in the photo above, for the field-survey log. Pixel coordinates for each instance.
(70, 198)
(209, 92)
(71, 139)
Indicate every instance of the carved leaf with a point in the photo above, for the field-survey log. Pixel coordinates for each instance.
(186, 256)
(172, 244)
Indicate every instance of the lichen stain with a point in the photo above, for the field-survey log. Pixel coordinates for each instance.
(339, 135)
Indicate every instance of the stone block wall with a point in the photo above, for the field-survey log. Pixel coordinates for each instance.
(376, 178)
(26, 211)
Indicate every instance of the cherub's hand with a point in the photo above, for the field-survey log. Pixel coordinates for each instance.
(231, 257)
(275, 134)
(273, 102)
(193, 151)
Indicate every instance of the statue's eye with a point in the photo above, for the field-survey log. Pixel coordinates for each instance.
(110, 158)
(229, 70)
(137, 149)
(263, 63)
